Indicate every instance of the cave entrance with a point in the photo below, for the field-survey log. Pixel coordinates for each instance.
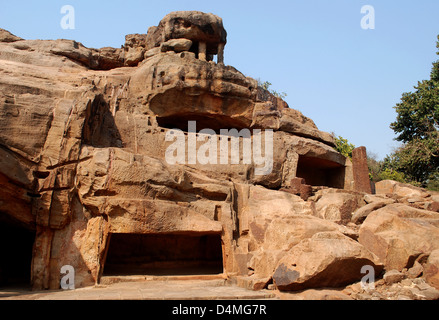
(163, 255)
(321, 172)
(16, 246)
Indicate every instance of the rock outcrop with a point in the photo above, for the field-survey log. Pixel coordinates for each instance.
(85, 144)
(327, 259)
(398, 234)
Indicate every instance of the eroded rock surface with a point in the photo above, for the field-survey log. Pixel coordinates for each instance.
(83, 167)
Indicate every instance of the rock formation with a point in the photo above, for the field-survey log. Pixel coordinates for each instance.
(85, 181)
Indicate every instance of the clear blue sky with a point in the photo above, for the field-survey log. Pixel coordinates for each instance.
(345, 78)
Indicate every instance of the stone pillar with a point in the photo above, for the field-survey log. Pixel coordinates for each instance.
(300, 188)
(40, 269)
(296, 184)
(221, 53)
(305, 192)
(202, 49)
(361, 171)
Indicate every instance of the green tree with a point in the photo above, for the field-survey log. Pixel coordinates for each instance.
(375, 166)
(433, 182)
(417, 127)
(389, 174)
(390, 168)
(343, 146)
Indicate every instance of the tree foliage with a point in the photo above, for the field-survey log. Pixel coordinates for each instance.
(417, 127)
(384, 170)
(267, 85)
(343, 146)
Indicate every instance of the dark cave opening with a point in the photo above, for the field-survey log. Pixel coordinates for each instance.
(16, 247)
(321, 172)
(163, 255)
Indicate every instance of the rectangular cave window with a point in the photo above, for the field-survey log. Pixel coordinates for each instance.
(163, 255)
(321, 172)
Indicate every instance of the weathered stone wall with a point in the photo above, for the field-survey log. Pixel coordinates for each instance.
(83, 157)
(87, 148)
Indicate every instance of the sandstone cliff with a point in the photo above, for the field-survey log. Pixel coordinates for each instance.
(83, 145)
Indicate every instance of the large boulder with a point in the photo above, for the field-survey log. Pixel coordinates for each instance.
(273, 239)
(398, 189)
(361, 214)
(272, 223)
(182, 89)
(398, 234)
(338, 206)
(294, 122)
(193, 25)
(134, 49)
(431, 269)
(176, 45)
(328, 259)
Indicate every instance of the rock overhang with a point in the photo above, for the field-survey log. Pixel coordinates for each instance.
(196, 26)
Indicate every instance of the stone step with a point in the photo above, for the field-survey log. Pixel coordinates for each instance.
(221, 279)
(152, 290)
